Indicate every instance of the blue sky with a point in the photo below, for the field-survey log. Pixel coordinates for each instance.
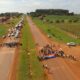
(31, 5)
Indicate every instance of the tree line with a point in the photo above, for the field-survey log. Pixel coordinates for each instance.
(10, 14)
(39, 12)
(6, 16)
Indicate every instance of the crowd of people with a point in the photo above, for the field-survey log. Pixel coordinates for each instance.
(50, 49)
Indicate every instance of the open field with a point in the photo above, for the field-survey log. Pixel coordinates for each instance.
(68, 24)
(56, 32)
(3, 29)
(28, 67)
(63, 17)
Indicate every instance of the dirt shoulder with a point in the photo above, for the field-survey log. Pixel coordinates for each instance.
(6, 59)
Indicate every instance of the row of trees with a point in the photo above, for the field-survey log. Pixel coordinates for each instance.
(6, 16)
(58, 20)
(12, 14)
(39, 12)
(61, 21)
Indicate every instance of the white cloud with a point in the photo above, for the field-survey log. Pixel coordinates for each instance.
(31, 5)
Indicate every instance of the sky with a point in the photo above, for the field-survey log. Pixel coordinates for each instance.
(31, 5)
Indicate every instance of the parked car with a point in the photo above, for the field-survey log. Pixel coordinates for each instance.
(71, 44)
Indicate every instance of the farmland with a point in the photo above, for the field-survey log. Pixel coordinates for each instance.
(69, 24)
(60, 31)
(2, 29)
(65, 17)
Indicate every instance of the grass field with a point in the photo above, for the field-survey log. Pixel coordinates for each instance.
(3, 29)
(56, 17)
(56, 33)
(29, 68)
(71, 27)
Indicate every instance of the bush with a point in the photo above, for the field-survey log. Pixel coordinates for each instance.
(75, 20)
(57, 21)
(70, 21)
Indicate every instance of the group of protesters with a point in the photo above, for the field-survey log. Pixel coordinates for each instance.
(50, 49)
(46, 50)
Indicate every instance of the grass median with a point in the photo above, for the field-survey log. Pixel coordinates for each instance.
(29, 68)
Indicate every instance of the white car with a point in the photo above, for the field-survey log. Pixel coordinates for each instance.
(71, 44)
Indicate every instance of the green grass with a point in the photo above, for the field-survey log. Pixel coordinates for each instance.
(3, 29)
(28, 63)
(64, 17)
(55, 32)
(71, 27)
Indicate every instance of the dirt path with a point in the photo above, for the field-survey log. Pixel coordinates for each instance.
(6, 60)
(59, 68)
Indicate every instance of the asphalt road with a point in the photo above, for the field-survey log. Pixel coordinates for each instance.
(59, 69)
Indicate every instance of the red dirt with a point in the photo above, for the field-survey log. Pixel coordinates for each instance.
(12, 74)
(6, 60)
(61, 69)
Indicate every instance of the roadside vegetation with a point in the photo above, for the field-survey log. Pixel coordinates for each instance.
(62, 17)
(55, 30)
(3, 29)
(29, 68)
